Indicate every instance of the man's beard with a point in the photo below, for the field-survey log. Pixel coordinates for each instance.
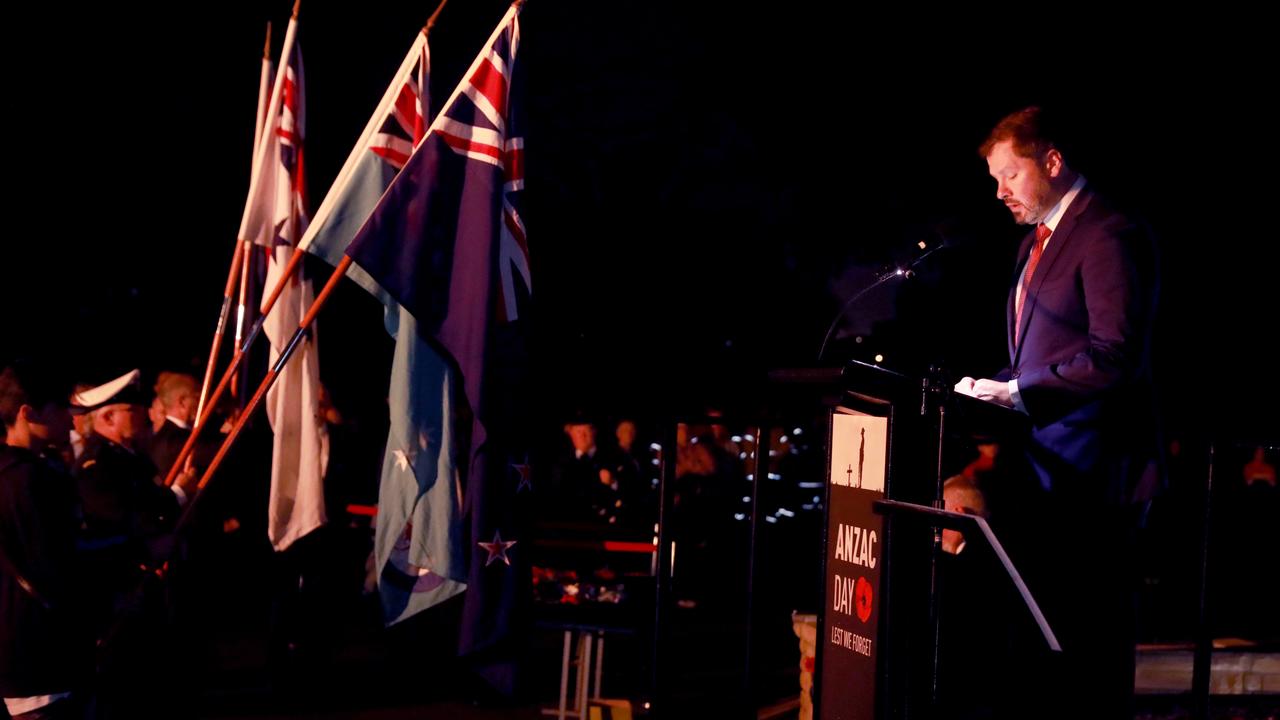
(1033, 211)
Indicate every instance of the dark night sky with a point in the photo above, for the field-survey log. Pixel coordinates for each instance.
(701, 178)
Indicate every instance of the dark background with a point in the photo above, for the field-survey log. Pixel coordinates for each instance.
(707, 183)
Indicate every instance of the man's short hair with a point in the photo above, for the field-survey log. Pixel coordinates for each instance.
(965, 493)
(1031, 129)
(171, 386)
(23, 384)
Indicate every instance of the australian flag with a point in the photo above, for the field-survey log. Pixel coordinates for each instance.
(447, 242)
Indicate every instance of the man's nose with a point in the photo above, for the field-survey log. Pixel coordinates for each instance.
(1002, 191)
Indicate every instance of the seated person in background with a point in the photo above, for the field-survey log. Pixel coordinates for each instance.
(586, 483)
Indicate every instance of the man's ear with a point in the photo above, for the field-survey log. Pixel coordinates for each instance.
(1053, 163)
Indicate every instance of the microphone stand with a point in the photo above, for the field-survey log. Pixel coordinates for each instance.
(905, 272)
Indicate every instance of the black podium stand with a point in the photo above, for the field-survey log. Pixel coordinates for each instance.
(886, 441)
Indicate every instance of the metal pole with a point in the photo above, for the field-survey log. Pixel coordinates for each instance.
(662, 589)
(935, 605)
(1202, 663)
(760, 471)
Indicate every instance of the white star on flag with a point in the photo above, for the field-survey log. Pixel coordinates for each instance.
(403, 460)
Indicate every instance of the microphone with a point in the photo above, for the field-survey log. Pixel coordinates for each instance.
(903, 270)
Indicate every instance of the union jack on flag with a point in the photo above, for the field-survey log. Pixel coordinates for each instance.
(405, 123)
(396, 126)
(275, 212)
(476, 125)
(482, 187)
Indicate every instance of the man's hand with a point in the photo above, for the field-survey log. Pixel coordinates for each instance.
(188, 480)
(965, 386)
(992, 391)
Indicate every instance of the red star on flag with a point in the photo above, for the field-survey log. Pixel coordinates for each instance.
(526, 475)
(497, 549)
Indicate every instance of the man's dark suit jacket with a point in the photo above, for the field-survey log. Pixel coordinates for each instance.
(1083, 360)
(165, 445)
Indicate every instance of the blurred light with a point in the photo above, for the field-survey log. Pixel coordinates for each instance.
(796, 431)
(785, 512)
(899, 272)
(746, 498)
(784, 439)
(742, 456)
(739, 516)
(770, 519)
(750, 478)
(858, 339)
(808, 506)
(775, 476)
(817, 499)
(736, 438)
(750, 438)
(655, 447)
(922, 245)
(655, 462)
(809, 485)
(879, 358)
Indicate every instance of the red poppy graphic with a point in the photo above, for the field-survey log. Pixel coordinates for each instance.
(862, 599)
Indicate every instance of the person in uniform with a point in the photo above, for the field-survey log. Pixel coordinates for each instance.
(127, 538)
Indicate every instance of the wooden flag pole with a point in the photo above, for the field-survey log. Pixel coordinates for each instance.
(203, 415)
(299, 336)
(205, 409)
(236, 260)
(247, 257)
(259, 128)
(431, 21)
(221, 329)
(264, 92)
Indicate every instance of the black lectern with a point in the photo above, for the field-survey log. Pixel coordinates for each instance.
(886, 443)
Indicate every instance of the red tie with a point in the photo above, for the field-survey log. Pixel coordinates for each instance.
(1042, 233)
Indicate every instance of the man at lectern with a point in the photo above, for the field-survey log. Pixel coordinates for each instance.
(1079, 318)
